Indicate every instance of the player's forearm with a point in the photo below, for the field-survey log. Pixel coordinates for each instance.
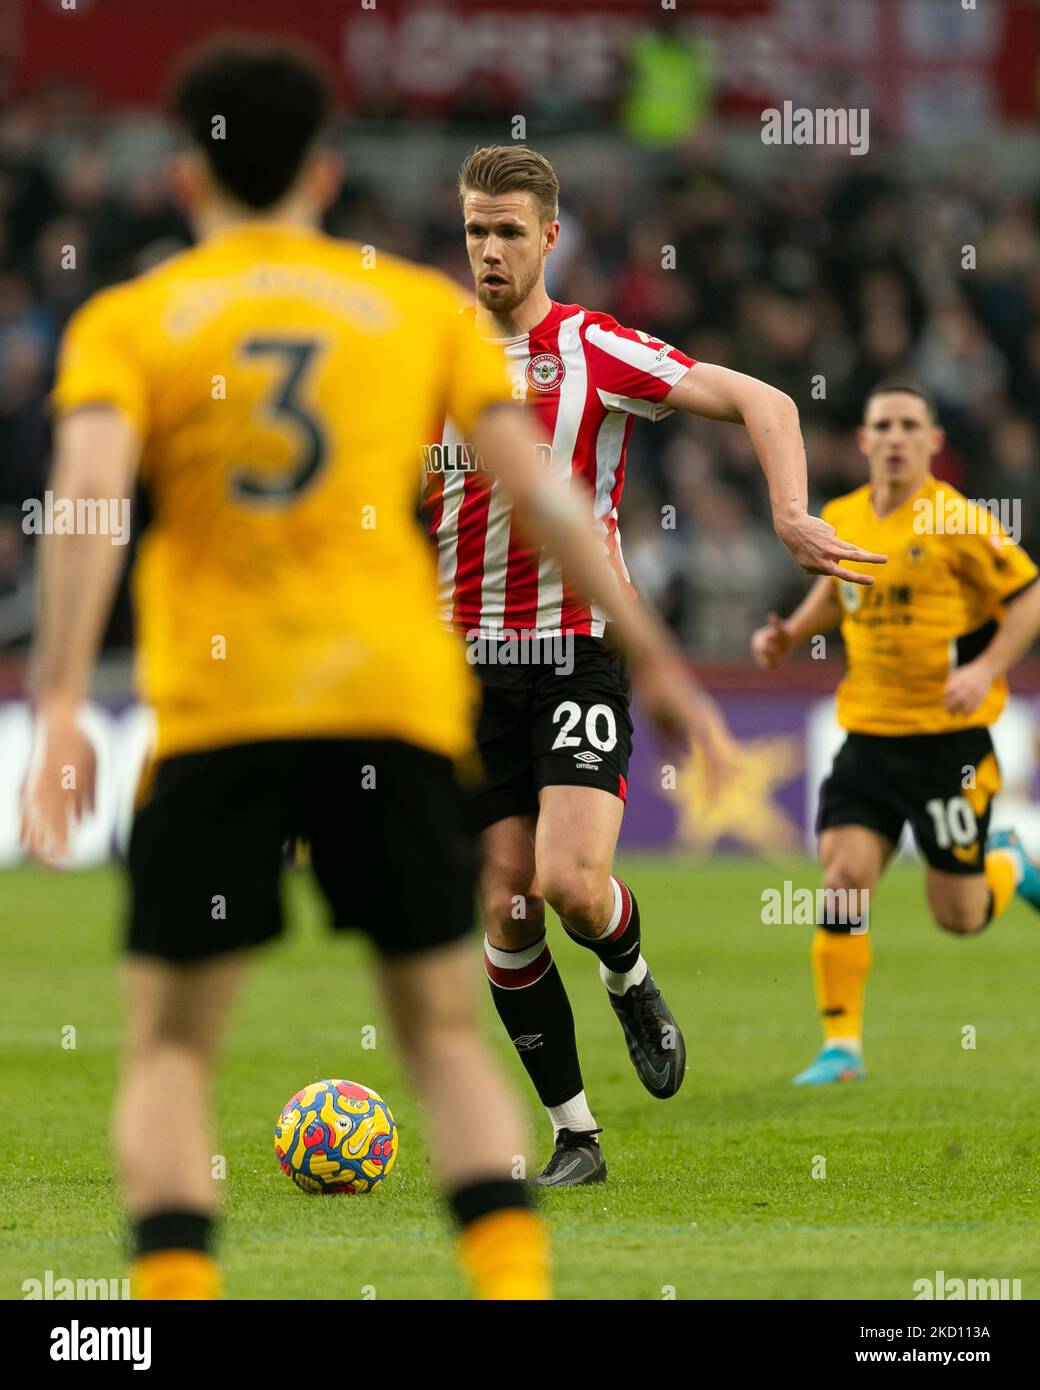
(770, 418)
(818, 612)
(79, 572)
(79, 576)
(552, 516)
(1016, 633)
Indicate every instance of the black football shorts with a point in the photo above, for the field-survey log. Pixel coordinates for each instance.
(388, 843)
(943, 784)
(562, 719)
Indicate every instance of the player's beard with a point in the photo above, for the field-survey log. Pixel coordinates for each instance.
(510, 299)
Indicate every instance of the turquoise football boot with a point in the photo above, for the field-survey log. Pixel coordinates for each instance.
(830, 1065)
(1029, 874)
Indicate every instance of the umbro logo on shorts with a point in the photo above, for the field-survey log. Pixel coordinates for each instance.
(588, 759)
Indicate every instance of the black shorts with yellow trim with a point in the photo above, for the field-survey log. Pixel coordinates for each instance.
(384, 821)
(943, 784)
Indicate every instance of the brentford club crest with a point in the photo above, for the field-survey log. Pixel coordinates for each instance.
(545, 372)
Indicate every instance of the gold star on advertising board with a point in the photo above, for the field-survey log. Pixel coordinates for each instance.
(744, 808)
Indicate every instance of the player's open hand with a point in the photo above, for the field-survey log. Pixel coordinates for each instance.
(770, 644)
(684, 711)
(816, 546)
(967, 687)
(60, 785)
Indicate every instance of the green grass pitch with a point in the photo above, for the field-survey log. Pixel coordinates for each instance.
(931, 1163)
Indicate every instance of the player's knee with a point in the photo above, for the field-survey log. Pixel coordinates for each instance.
(842, 875)
(512, 919)
(578, 899)
(962, 919)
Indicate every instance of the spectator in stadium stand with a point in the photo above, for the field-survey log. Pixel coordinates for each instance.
(17, 586)
(27, 341)
(731, 569)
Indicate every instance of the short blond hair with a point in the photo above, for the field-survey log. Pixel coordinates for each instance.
(498, 169)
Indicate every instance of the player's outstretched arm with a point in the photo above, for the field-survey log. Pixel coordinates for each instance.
(771, 420)
(818, 612)
(967, 686)
(552, 516)
(96, 452)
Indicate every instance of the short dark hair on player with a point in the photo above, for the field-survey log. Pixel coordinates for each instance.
(907, 386)
(498, 169)
(274, 101)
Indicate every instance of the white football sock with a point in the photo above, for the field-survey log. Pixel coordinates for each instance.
(573, 1114)
(619, 983)
(615, 915)
(849, 1044)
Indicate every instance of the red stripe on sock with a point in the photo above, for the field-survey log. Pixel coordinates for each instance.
(518, 977)
(626, 911)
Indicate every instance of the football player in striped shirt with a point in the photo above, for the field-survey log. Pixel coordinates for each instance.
(555, 731)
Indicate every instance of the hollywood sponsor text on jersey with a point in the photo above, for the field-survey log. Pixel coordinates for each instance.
(587, 379)
(461, 457)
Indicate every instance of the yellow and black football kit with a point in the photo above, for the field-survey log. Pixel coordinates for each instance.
(282, 384)
(934, 606)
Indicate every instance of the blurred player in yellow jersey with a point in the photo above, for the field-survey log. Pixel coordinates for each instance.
(927, 649)
(272, 388)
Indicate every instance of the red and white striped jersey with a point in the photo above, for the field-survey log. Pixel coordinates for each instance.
(587, 378)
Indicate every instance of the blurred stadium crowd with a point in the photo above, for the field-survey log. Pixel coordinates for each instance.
(819, 284)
